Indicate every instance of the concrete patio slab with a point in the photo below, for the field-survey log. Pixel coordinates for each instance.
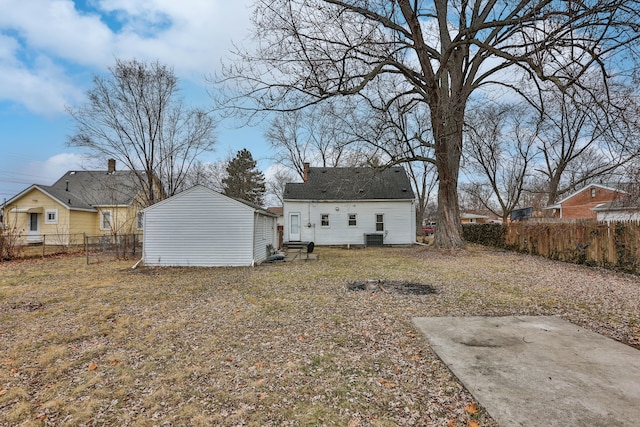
(539, 370)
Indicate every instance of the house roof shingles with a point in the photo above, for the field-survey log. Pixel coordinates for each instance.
(96, 188)
(352, 184)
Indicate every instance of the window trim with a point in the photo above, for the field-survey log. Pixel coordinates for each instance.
(355, 220)
(139, 220)
(102, 215)
(322, 220)
(379, 222)
(47, 220)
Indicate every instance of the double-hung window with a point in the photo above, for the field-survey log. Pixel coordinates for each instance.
(353, 220)
(379, 222)
(324, 220)
(139, 220)
(105, 220)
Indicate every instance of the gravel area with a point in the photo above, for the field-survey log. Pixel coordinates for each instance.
(327, 342)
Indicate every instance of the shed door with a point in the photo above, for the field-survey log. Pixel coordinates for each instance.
(294, 227)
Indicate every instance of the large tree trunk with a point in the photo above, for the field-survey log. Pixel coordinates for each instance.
(448, 126)
(448, 233)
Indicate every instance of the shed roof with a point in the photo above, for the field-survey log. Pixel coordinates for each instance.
(363, 183)
(208, 192)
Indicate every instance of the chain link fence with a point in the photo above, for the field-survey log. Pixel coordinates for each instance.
(97, 248)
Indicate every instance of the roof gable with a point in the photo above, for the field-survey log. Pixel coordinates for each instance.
(84, 190)
(586, 188)
(65, 199)
(352, 184)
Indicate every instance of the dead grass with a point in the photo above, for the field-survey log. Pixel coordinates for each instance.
(276, 345)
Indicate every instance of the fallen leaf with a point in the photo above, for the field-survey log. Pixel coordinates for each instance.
(114, 362)
(354, 422)
(387, 383)
(93, 366)
(472, 423)
(7, 361)
(262, 396)
(229, 359)
(3, 392)
(471, 409)
(301, 338)
(415, 357)
(451, 423)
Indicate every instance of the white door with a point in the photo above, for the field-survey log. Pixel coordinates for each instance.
(33, 235)
(294, 227)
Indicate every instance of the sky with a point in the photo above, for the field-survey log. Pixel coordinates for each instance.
(51, 49)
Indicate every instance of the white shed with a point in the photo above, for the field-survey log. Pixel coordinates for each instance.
(201, 227)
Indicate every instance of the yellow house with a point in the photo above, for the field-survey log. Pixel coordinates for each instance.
(80, 202)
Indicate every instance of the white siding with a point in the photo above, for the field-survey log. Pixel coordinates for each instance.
(399, 221)
(621, 216)
(199, 227)
(265, 234)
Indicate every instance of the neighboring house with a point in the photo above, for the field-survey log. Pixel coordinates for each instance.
(201, 227)
(278, 211)
(580, 204)
(471, 218)
(620, 210)
(350, 206)
(90, 202)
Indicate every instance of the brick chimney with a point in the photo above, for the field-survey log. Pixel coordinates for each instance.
(305, 176)
(111, 165)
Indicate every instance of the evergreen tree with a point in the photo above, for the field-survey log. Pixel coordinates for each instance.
(243, 180)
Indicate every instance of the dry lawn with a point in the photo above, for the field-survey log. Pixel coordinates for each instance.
(277, 345)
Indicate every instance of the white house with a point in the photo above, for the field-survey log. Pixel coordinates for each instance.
(621, 210)
(200, 227)
(350, 206)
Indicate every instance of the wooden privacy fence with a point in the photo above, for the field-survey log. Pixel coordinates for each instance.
(611, 245)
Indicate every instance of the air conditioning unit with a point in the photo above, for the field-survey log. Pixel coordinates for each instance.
(374, 240)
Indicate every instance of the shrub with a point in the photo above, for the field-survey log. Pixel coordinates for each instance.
(485, 234)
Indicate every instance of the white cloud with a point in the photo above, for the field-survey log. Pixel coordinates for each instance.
(54, 167)
(43, 88)
(44, 43)
(57, 29)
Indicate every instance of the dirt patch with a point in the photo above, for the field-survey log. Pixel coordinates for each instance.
(393, 287)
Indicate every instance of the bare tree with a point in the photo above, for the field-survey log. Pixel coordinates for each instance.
(277, 183)
(318, 135)
(444, 51)
(208, 174)
(500, 147)
(399, 133)
(583, 138)
(134, 115)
